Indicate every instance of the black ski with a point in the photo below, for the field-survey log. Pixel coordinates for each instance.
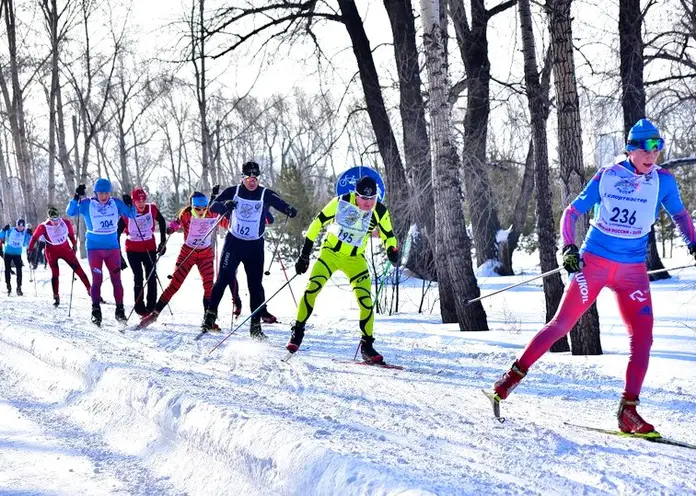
(383, 365)
(653, 437)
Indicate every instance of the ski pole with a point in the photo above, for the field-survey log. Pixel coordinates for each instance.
(286, 278)
(195, 249)
(280, 235)
(262, 305)
(152, 271)
(657, 271)
(526, 281)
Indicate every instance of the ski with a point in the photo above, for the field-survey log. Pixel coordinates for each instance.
(495, 403)
(653, 437)
(201, 334)
(382, 365)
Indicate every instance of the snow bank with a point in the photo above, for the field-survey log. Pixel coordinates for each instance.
(200, 446)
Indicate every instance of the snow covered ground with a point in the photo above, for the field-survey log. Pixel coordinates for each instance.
(94, 411)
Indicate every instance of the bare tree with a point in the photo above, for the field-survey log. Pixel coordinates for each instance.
(553, 285)
(585, 335)
(456, 279)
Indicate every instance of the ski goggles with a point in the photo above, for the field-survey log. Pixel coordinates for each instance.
(648, 145)
(255, 175)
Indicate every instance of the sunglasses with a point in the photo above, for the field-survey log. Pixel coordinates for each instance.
(247, 176)
(649, 144)
(366, 197)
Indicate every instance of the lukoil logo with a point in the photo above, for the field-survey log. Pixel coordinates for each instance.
(582, 285)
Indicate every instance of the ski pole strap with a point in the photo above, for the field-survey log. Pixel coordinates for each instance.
(526, 281)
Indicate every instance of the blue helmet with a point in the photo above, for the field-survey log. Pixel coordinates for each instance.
(198, 200)
(102, 186)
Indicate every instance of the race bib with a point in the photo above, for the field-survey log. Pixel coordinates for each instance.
(350, 224)
(199, 235)
(58, 234)
(16, 238)
(628, 202)
(246, 218)
(141, 228)
(104, 217)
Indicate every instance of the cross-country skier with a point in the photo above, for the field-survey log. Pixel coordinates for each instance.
(352, 216)
(14, 240)
(101, 213)
(141, 249)
(246, 205)
(197, 221)
(627, 196)
(56, 232)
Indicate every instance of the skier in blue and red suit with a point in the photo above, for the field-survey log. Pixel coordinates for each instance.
(627, 196)
(101, 213)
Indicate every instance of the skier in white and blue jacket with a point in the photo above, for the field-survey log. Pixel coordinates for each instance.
(14, 240)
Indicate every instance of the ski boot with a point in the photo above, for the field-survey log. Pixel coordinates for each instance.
(256, 333)
(56, 301)
(267, 317)
(148, 319)
(368, 352)
(237, 308)
(96, 315)
(629, 419)
(509, 381)
(120, 313)
(209, 324)
(19, 291)
(295, 338)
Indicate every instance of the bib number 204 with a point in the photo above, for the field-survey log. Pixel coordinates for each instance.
(624, 216)
(105, 224)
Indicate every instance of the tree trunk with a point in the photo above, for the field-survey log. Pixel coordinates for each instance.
(553, 285)
(456, 279)
(473, 46)
(7, 205)
(415, 134)
(585, 335)
(633, 95)
(79, 225)
(396, 184)
(63, 155)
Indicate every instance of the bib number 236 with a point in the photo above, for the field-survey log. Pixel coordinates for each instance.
(624, 216)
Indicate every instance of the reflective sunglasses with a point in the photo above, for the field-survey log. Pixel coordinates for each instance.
(649, 144)
(366, 197)
(253, 174)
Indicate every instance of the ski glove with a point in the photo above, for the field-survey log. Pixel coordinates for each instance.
(302, 264)
(6, 228)
(127, 200)
(291, 212)
(81, 190)
(223, 207)
(216, 190)
(393, 256)
(162, 248)
(124, 265)
(571, 259)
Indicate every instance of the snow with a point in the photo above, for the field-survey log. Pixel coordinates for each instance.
(94, 411)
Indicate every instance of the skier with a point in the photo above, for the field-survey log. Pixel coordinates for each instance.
(56, 232)
(266, 316)
(627, 196)
(353, 217)
(197, 221)
(14, 239)
(246, 205)
(141, 249)
(101, 213)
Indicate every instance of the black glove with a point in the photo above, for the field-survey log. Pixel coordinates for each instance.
(302, 264)
(692, 249)
(571, 259)
(216, 190)
(124, 265)
(30, 231)
(127, 200)
(162, 248)
(223, 208)
(81, 190)
(292, 212)
(6, 228)
(393, 256)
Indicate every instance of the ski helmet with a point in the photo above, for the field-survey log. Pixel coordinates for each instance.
(102, 186)
(198, 200)
(251, 169)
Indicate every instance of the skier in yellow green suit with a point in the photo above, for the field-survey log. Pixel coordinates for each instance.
(352, 218)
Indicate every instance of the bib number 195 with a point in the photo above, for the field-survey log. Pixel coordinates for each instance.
(346, 236)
